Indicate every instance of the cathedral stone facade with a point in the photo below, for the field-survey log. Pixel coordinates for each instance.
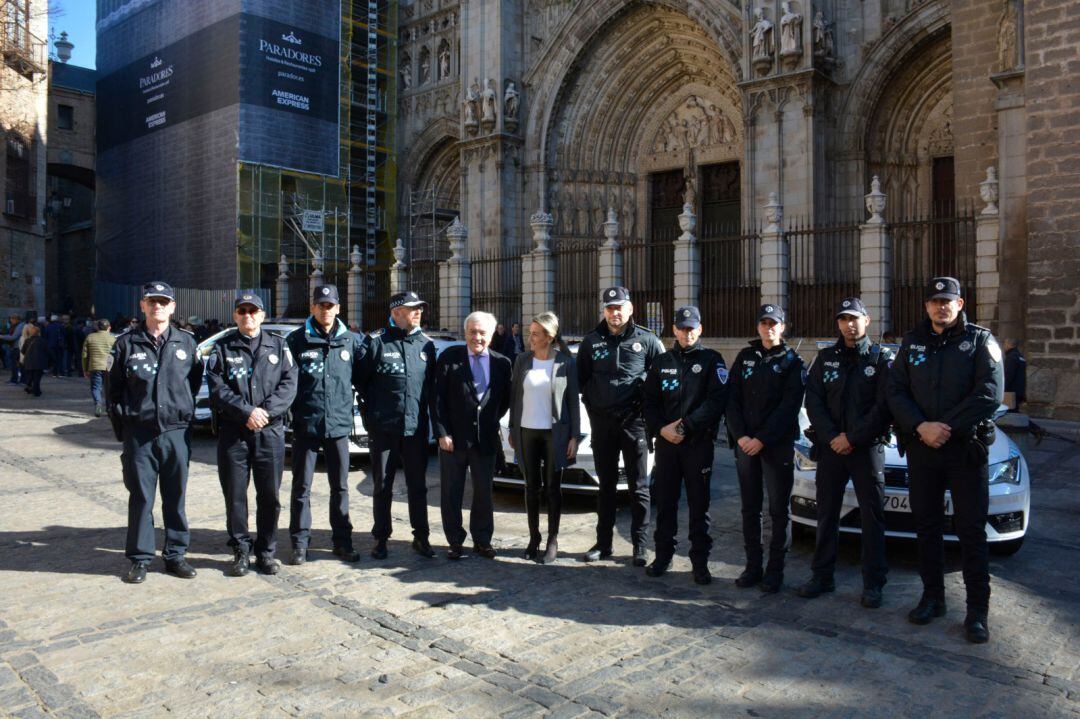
(581, 108)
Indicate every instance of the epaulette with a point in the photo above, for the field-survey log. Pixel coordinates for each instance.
(972, 325)
(186, 331)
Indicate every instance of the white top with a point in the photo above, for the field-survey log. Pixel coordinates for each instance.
(536, 399)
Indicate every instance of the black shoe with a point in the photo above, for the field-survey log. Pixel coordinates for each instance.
(455, 552)
(771, 582)
(816, 587)
(871, 597)
(298, 556)
(180, 568)
(702, 576)
(927, 611)
(268, 565)
(379, 550)
(976, 630)
(347, 554)
(423, 547)
(641, 555)
(749, 577)
(240, 564)
(533, 550)
(658, 568)
(137, 573)
(551, 552)
(596, 553)
(97, 410)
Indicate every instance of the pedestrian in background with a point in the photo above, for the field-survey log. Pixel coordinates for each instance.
(95, 362)
(34, 358)
(1015, 372)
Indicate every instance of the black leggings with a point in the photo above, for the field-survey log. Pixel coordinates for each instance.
(537, 449)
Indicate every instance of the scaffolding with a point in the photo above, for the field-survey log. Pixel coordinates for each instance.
(371, 205)
(430, 214)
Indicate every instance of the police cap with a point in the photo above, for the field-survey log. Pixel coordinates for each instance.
(325, 293)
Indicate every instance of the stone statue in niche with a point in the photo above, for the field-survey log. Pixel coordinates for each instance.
(489, 103)
(823, 37)
(472, 106)
(444, 62)
(425, 67)
(582, 229)
(761, 36)
(790, 32)
(1007, 37)
(510, 103)
(406, 72)
(690, 191)
(599, 211)
(628, 215)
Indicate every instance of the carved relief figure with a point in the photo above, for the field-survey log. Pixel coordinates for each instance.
(690, 193)
(599, 211)
(582, 229)
(761, 36)
(489, 102)
(823, 36)
(510, 102)
(405, 71)
(425, 66)
(695, 123)
(444, 60)
(472, 103)
(1007, 36)
(790, 31)
(628, 215)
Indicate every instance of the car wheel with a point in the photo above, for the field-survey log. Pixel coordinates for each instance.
(1005, 549)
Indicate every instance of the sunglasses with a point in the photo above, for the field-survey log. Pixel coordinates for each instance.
(247, 310)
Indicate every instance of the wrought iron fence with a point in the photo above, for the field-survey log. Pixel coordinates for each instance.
(376, 302)
(424, 281)
(577, 297)
(649, 274)
(824, 270)
(928, 245)
(496, 284)
(730, 280)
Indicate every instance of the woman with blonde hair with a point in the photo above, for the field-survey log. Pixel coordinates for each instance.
(544, 425)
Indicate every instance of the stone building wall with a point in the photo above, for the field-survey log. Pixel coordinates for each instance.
(974, 27)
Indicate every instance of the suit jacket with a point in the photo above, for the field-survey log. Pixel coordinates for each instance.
(456, 411)
(565, 402)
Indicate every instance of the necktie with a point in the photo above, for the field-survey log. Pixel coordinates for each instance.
(478, 376)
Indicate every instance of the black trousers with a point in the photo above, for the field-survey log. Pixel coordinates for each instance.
(147, 459)
(33, 380)
(772, 469)
(609, 440)
(865, 466)
(243, 455)
(452, 469)
(537, 463)
(304, 456)
(678, 465)
(388, 453)
(962, 469)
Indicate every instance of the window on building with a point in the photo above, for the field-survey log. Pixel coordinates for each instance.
(65, 117)
(17, 178)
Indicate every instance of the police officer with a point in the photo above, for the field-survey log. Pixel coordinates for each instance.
(612, 362)
(154, 373)
(764, 396)
(943, 390)
(395, 386)
(252, 380)
(849, 417)
(685, 392)
(328, 356)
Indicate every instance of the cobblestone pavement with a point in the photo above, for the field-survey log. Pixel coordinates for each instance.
(427, 638)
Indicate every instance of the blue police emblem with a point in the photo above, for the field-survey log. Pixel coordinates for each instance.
(721, 373)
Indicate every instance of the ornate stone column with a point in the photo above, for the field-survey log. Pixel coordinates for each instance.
(399, 275)
(316, 272)
(282, 288)
(875, 260)
(687, 267)
(609, 264)
(455, 280)
(538, 270)
(988, 253)
(355, 310)
(775, 256)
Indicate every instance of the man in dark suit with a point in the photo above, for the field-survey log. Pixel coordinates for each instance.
(472, 392)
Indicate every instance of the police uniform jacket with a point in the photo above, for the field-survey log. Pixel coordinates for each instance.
(845, 392)
(611, 368)
(688, 384)
(244, 373)
(328, 365)
(153, 385)
(397, 377)
(764, 393)
(955, 377)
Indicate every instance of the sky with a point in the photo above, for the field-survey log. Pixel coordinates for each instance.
(77, 18)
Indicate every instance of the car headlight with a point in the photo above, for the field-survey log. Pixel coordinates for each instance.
(803, 463)
(1006, 472)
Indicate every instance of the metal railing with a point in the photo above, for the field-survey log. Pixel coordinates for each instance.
(649, 274)
(577, 297)
(730, 280)
(496, 284)
(21, 49)
(824, 270)
(424, 281)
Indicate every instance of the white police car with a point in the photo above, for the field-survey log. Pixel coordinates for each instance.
(1010, 494)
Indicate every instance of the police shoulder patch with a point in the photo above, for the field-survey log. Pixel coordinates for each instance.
(722, 373)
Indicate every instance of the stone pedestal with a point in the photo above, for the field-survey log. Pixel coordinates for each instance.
(988, 256)
(455, 281)
(775, 257)
(281, 288)
(355, 310)
(687, 267)
(316, 273)
(609, 264)
(399, 275)
(875, 261)
(538, 270)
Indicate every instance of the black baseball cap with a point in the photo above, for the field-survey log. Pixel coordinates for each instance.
(772, 312)
(325, 293)
(688, 317)
(851, 306)
(945, 288)
(158, 289)
(615, 296)
(249, 298)
(406, 299)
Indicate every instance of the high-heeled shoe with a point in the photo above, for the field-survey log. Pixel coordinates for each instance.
(533, 550)
(552, 551)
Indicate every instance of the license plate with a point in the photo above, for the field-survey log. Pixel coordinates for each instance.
(899, 503)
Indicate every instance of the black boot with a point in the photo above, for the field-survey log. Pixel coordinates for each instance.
(976, 628)
(532, 509)
(551, 553)
(240, 564)
(929, 609)
(751, 575)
